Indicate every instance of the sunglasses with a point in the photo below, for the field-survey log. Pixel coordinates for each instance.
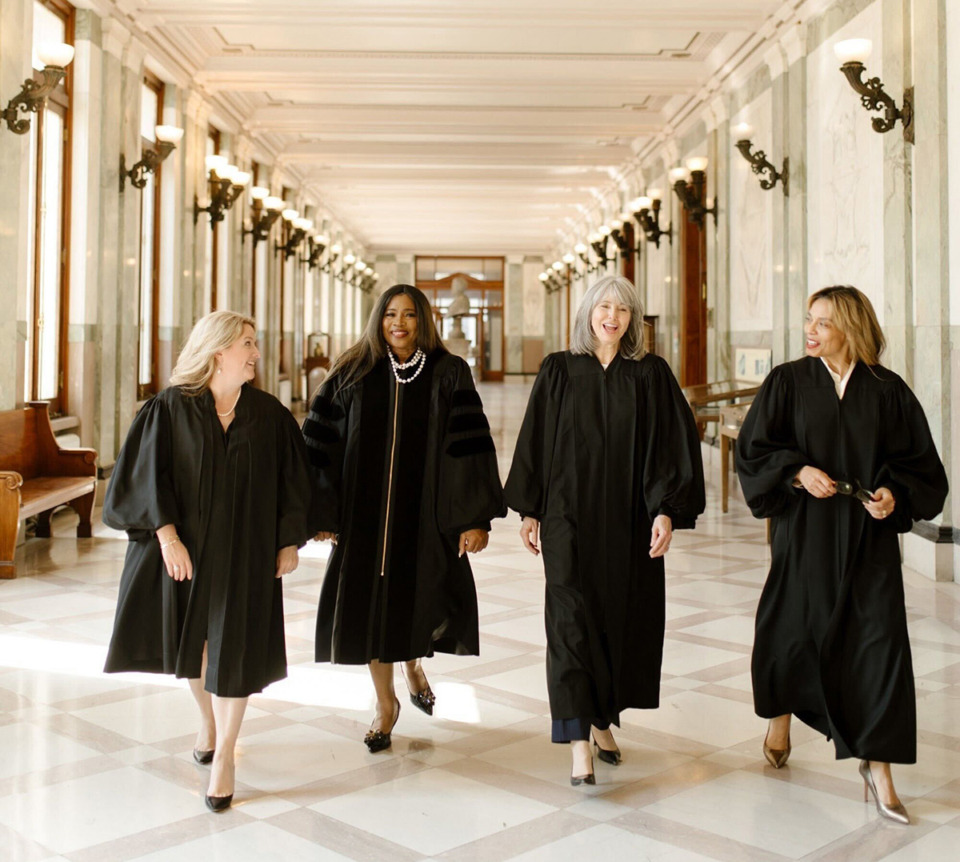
(855, 489)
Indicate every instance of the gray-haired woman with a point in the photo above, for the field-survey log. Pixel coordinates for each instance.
(607, 465)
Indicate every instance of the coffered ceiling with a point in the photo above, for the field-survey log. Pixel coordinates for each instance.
(456, 125)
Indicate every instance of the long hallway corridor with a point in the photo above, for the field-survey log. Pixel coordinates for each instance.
(96, 768)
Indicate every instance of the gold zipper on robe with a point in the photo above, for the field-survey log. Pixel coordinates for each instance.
(393, 449)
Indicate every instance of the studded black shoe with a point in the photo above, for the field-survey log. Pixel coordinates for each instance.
(425, 699)
(378, 740)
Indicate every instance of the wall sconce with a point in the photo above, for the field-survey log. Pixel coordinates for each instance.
(349, 259)
(758, 160)
(598, 242)
(359, 269)
(167, 139)
(226, 185)
(619, 237)
(369, 280)
(55, 56)
(551, 280)
(335, 251)
(265, 210)
(316, 244)
(690, 184)
(853, 53)
(296, 232)
(646, 212)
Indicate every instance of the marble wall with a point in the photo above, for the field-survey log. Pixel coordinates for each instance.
(845, 165)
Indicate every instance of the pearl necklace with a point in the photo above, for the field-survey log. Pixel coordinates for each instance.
(235, 403)
(418, 357)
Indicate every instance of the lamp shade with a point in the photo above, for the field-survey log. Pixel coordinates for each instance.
(853, 50)
(543, 276)
(569, 258)
(349, 259)
(57, 54)
(303, 224)
(557, 266)
(322, 239)
(259, 193)
(697, 163)
(678, 174)
(742, 132)
(360, 265)
(290, 215)
(336, 248)
(616, 225)
(604, 230)
(655, 194)
(215, 163)
(580, 248)
(273, 203)
(169, 134)
(594, 237)
(642, 203)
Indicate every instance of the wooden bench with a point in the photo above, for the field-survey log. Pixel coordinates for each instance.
(37, 476)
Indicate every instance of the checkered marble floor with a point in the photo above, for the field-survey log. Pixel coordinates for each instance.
(97, 768)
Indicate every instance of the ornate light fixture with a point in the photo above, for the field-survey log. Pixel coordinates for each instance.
(619, 236)
(551, 279)
(55, 56)
(265, 210)
(759, 162)
(316, 244)
(349, 259)
(690, 184)
(598, 241)
(368, 280)
(296, 231)
(167, 139)
(646, 212)
(335, 251)
(226, 185)
(853, 53)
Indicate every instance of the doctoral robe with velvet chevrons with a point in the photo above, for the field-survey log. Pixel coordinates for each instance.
(399, 472)
(601, 453)
(831, 641)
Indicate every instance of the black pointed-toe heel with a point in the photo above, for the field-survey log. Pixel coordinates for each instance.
(607, 755)
(218, 804)
(424, 700)
(589, 778)
(378, 740)
(203, 756)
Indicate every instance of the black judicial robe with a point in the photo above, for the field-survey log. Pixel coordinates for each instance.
(600, 455)
(236, 498)
(399, 472)
(831, 641)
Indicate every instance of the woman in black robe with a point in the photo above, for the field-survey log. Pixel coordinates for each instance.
(211, 488)
(837, 453)
(607, 465)
(405, 484)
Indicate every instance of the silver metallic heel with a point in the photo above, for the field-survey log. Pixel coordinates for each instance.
(897, 813)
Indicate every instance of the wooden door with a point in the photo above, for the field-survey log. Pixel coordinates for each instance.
(693, 304)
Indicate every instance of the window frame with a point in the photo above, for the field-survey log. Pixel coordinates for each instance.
(59, 101)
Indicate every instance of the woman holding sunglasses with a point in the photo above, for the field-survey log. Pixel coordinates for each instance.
(836, 451)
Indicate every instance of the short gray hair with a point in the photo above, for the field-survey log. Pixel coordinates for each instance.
(583, 341)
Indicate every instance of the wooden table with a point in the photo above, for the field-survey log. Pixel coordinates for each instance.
(731, 418)
(705, 399)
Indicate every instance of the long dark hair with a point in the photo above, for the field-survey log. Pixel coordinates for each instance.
(358, 361)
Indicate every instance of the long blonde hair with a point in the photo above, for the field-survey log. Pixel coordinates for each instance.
(582, 339)
(854, 316)
(197, 362)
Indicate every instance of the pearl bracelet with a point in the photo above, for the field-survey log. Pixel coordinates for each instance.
(169, 542)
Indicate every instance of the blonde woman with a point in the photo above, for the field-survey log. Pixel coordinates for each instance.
(212, 490)
(837, 452)
(606, 467)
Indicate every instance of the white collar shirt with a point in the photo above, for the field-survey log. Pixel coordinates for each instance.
(839, 383)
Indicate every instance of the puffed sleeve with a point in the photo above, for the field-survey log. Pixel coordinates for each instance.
(672, 464)
(469, 495)
(911, 466)
(141, 495)
(768, 455)
(295, 493)
(528, 482)
(325, 436)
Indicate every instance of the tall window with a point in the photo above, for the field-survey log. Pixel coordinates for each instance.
(212, 247)
(151, 109)
(48, 204)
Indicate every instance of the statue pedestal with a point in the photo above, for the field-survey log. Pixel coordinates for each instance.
(456, 342)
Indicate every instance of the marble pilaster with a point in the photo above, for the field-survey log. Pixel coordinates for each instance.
(513, 313)
(15, 67)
